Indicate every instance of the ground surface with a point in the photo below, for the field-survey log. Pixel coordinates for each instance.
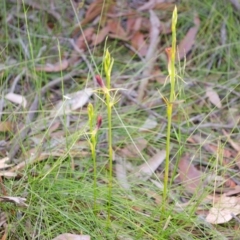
(50, 55)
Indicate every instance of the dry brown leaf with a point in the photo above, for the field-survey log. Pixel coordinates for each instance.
(16, 98)
(72, 102)
(6, 126)
(191, 178)
(188, 41)
(85, 38)
(93, 11)
(222, 211)
(138, 42)
(213, 97)
(116, 28)
(57, 67)
(132, 150)
(146, 170)
(17, 200)
(96, 9)
(69, 236)
(133, 24)
(100, 36)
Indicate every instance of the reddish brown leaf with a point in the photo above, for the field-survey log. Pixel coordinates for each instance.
(190, 177)
(188, 41)
(139, 43)
(100, 36)
(116, 28)
(98, 8)
(93, 11)
(133, 24)
(85, 38)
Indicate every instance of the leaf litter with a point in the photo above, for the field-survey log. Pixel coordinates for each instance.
(145, 37)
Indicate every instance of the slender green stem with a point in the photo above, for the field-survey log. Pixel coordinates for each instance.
(171, 52)
(108, 63)
(167, 163)
(93, 147)
(110, 152)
